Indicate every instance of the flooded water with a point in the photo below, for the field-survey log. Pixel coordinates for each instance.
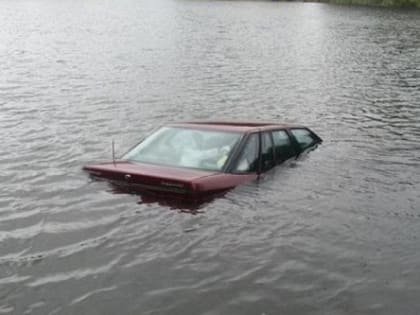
(335, 233)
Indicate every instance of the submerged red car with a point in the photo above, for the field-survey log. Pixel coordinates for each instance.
(197, 160)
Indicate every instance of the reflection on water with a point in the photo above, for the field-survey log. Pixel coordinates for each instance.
(164, 200)
(335, 233)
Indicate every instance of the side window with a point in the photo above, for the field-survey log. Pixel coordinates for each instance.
(267, 152)
(248, 159)
(304, 138)
(283, 146)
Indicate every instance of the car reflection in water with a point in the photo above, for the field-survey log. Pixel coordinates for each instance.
(191, 206)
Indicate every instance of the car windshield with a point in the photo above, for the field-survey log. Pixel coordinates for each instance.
(174, 146)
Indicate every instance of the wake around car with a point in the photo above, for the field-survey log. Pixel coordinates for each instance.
(197, 160)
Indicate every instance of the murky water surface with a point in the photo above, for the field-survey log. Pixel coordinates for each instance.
(336, 233)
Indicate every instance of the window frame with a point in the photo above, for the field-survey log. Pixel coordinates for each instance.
(230, 165)
(292, 143)
(261, 165)
(295, 146)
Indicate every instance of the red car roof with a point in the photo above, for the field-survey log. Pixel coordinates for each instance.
(242, 126)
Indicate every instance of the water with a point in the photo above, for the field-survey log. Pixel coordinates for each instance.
(335, 233)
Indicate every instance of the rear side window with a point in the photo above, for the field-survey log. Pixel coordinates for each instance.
(248, 159)
(304, 138)
(283, 146)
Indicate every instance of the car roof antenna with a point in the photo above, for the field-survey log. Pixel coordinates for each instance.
(113, 152)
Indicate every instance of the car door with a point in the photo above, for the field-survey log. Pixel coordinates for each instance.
(257, 155)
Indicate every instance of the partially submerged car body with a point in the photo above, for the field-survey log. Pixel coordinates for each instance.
(198, 160)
